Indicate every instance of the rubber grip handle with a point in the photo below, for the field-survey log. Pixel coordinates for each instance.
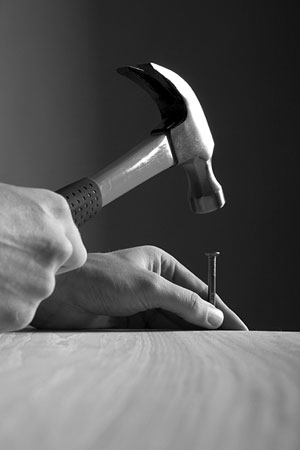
(84, 199)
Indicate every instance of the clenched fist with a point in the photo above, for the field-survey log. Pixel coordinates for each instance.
(38, 239)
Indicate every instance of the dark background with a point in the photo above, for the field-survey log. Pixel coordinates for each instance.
(65, 113)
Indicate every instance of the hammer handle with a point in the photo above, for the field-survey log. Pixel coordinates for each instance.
(149, 158)
(88, 195)
(84, 199)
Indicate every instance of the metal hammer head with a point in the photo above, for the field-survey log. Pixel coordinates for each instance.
(185, 124)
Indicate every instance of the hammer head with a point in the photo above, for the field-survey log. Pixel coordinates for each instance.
(184, 122)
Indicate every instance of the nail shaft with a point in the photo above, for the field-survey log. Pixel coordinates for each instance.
(212, 276)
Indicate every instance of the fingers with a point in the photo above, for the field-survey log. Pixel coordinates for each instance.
(166, 320)
(186, 304)
(231, 319)
(78, 254)
(175, 272)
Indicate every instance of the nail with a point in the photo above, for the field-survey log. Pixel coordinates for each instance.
(215, 317)
(212, 276)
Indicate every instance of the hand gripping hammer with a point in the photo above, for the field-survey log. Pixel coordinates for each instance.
(182, 138)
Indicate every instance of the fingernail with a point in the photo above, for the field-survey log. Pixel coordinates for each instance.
(215, 317)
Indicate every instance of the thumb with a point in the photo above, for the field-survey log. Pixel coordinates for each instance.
(187, 304)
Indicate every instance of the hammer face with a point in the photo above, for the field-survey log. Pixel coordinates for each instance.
(205, 193)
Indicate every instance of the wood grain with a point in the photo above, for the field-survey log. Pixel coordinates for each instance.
(150, 390)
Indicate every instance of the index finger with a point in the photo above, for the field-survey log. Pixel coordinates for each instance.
(174, 271)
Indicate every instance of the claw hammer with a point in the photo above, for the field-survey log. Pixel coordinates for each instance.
(182, 138)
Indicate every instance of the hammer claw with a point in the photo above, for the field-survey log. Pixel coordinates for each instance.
(168, 99)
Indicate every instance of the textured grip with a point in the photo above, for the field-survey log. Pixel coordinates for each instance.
(84, 199)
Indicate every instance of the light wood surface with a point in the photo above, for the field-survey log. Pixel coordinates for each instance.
(140, 390)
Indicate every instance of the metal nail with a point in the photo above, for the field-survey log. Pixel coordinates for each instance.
(212, 276)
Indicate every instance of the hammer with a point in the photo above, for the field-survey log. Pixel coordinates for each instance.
(182, 138)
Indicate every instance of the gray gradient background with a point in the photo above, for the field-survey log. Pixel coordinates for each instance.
(65, 113)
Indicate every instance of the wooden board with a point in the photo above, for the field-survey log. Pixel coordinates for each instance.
(140, 390)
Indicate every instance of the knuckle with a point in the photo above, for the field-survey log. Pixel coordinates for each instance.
(44, 287)
(149, 283)
(52, 203)
(148, 286)
(156, 257)
(59, 205)
(56, 249)
(14, 317)
(81, 257)
(153, 286)
(52, 220)
(39, 285)
(152, 250)
(63, 249)
(56, 208)
(193, 303)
